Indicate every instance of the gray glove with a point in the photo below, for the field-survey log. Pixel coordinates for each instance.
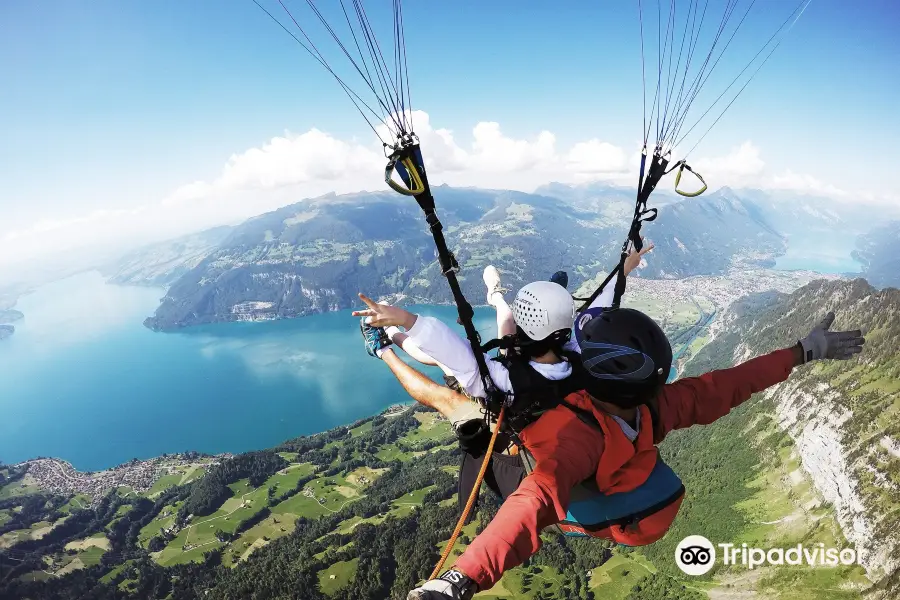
(452, 585)
(838, 345)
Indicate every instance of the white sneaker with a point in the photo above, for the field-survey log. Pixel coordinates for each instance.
(491, 278)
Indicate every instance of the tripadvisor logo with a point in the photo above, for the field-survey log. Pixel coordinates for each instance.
(696, 555)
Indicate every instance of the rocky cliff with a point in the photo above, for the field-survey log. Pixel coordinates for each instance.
(843, 417)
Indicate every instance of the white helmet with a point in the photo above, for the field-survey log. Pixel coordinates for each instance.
(542, 308)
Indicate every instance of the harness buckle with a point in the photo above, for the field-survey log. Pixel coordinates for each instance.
(631, 524)
(452, 268)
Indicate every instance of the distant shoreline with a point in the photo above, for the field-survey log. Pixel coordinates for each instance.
(391, 411)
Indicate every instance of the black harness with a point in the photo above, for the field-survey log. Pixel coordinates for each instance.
(532, 393)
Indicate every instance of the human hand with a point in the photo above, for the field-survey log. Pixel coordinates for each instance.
(452, 585)
(633, 260)
(385, 315)
(837, 345)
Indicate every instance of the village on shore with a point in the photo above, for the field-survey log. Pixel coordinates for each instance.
(60, 477)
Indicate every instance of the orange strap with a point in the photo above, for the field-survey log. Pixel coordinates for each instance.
(471, 500)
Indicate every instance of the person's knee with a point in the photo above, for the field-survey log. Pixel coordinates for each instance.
(461, 408)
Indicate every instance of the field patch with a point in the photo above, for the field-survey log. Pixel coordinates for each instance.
(286, 479)
(77, 502)
(35, 532)
(615, 578)
(164, 520)
(256, 544)
(319, 497)
(337, 576)
(192, 473)
(300, 505)
(271, 528)
(72, 566)
(364, 428)
(163, 483)
(97, 540)
(433, 428)
(364, 476)
(108, 578)
(22, 487)
(393, 452)
(404, 505)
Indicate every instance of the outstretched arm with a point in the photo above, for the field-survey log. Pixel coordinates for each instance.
(566, 452)
(441, 343)
(702, 400)
(435, 338)
(632, 261)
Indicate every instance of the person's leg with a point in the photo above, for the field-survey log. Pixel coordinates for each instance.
(401, 339)
(566, 452)
(506, 325)
(456, 407)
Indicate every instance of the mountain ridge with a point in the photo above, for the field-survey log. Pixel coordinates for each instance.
(879, 252)
(315, 255)
(841, 417)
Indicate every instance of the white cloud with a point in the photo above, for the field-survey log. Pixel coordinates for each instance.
(595, 157)
(798, 182)
(290, 167)
(285, 161)
(496, 153)
(742, 165)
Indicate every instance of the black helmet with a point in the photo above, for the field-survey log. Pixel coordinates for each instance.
(625, 354)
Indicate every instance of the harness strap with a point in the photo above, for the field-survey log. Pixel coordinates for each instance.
(409, 165)
(642, 214)
(505, 343)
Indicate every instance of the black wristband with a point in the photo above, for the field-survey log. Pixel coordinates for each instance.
(466, 586)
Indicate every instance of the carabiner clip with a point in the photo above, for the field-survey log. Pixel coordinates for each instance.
(417, 186)
(681, 169)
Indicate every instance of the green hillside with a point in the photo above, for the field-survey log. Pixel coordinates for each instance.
(363, 511)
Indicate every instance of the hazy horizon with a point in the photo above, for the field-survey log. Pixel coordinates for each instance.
(126, 125)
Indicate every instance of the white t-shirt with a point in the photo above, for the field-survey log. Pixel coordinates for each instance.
(443, 344)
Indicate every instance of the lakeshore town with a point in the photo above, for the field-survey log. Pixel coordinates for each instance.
(722, 290)
(60, 477)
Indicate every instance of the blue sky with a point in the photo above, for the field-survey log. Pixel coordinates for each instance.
(110, 105)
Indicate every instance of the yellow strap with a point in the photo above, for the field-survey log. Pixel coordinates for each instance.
(472, 496)
(417, 185)
(678, 180)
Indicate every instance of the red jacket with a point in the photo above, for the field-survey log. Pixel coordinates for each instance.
(568, 451)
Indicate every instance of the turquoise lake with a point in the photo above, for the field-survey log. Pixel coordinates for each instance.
(82, 379)
(819, 251)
